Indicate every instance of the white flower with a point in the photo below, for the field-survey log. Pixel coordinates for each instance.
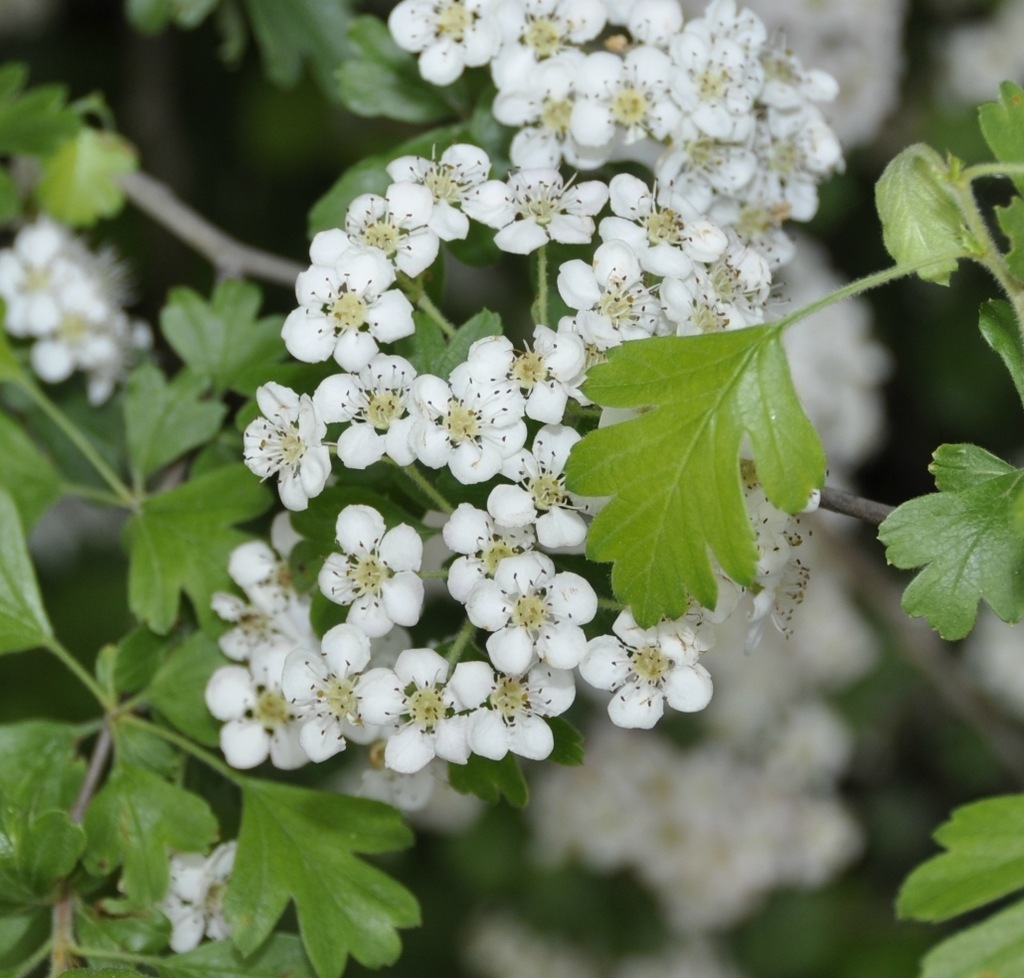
(376, 402)
(534, 207)
(194, 903)
(541, 498)
(258, 720)
(511, 718)
(483, 543)
(655, 21)
(321, 687)
(375, 574)
(448, 35)
(288, 441)
(345, 307)
(33, 273)
(415, 697)
(536, 30)
(471, 425)
(396, 226)
(532, 612)
(646, 668)
(461, 169)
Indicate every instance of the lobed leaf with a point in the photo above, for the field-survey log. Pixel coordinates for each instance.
(296, 844)
(35, 852)
(23, 621)
(491, 780)
(1001, 331)
(1011, 221)
(35, 122)
(964, 538)
(986, 950)
(39, 765)
(673, 472)
(1002, 125)
(281, 956)
(984, 861)
(178, 688)
(27, 474)
(919, 214)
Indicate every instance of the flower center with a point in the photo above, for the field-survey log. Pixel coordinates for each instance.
(785, 158)
(339, 697)
(544, 36)
(292, 448)
(72, 328)
(708, 319)
(510, 698)
(712, 84)
(629, 106)
(462, 423)
(426, 707)
(555, 115)
(381, 234)
(442, 182)
(454, 20)
(548, 490)
(529, 369)
(541, 209)
(664, 226)
(382, 408)
(650, 663)
(367, 574)
(348, 311)
(616, 305)
(494, 552)
(271, 709)
(529, 611)
(36, 280)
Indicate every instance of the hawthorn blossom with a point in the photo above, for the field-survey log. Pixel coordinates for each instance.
(258, 721)
(345, 305)
(376, 403)
(375, 574)
(542, 29)
(396, 226)
(448, 35)
(33, 272)
(194, 902)
(288, 442)
(645, 668)
(540, 498)
(415, 698)
(532, 612)
(460, 170)
(535, 206)
(482, 543)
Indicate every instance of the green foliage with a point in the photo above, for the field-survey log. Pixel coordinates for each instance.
(21, 933)
(223, 340)
(40, 770)
(134, 820)
(1011, 220)
(568, 749)
(429, 350)
(34, 122)
(964, 539)
(80, 181)
(983, 862)
(111, 925)
(281, 956)
(993, 948)
(26, 474)
(35, 852)
(163, 420)
(999, 327)
(383, 80)
(23, 621)
(298, 844)
(177, 689)
(138, 657)
(674, 471)
(181, 540)
(919, 212)
(1002, 125)
(152, 16)
(491, 780)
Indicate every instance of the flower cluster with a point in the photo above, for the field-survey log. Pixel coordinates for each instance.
(68, 302)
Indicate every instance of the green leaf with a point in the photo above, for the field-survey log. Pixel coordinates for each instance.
(177, 690)
(984, 861)
(319, 521)
(919, 213)
(164, 420)
(370, 176)
(108, 926)
(1011, 220)
(965, 540)
(139, 655)
(21, 934)
(26, 474)
(39, 765)
(35, 851)
(1002, 125)
(181, 540)
(301, 32)
(223, 339)
(993, 949)
(134, 821)
(490, 780)
(568, 749)
(80, 181)
(113, 972)
(298, 844)
(23, 621)
(138, 747)
(384, 81)
(674, 471)
(10, 199)
(999, 326)
(281, 956)
(152, 16)
(35, 122)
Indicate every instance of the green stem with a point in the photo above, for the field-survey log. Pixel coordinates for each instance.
(31, 963)
(539, 309)
(81, 673)
(88, 953)
(74, 435)
(865, 284)
(199, 753)
(417, 478)
(459, 645)
(993, 170)
(91, 493)
(426, 304)
(611, 604)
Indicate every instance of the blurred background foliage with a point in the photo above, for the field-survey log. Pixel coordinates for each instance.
(253, 156)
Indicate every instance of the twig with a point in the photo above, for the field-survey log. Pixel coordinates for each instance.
(847, 504)
(230, 257)
(97, 762)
